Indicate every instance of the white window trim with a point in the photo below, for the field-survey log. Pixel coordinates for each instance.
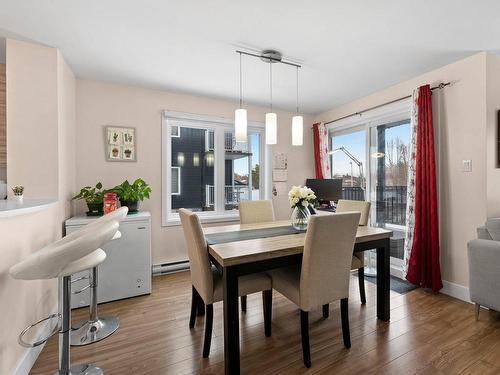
(178, 179)
(178, 132)
(218, 125)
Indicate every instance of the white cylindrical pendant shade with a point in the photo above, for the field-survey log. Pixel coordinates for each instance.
(297, 130)
(240, 125)
(271, 128)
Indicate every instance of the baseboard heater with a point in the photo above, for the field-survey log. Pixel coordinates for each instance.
(164, 268)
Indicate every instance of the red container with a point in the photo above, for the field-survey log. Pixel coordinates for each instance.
(110, 203)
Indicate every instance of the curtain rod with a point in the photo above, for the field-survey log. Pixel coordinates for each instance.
(440, 86)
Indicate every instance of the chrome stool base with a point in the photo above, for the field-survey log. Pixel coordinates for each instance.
(90, 332)
(83, 370)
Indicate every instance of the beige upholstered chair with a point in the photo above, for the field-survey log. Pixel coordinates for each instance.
(256, 211)
(207, 281)
(324, 274)
(358, 262)
(260, 211)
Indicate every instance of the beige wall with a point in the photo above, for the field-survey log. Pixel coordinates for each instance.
(41, 128)
(100, 104)
(460, 116)
(492, 107)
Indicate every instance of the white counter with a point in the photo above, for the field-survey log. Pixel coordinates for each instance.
(10, 208)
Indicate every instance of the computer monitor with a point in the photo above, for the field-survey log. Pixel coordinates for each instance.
(326, 190)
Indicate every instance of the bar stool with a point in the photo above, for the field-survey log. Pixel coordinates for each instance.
(96, 327)
(62, 259)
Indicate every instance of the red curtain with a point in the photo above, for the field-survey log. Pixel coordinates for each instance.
(317, 151)
(423, 265)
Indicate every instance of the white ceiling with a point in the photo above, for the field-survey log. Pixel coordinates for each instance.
(348, 48)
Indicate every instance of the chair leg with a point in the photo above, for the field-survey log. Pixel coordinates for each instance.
(344, 314)
(326, 311)
(194, 307)
(304, 329)
(209, 319)
(477, 308)
(243, 303)
(361, 281)
(200, 305)
(267, 303)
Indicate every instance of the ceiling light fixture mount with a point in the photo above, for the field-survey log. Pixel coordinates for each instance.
(271, 56)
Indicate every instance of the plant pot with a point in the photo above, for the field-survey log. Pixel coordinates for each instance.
(95, 209)
(133, 206)
(18, 198)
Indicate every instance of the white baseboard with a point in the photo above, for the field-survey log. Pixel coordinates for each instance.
(456, 290)
(30, 355)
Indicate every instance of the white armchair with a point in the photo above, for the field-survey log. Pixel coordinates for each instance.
(484, 265)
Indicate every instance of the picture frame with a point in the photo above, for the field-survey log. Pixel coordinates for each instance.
(120, 143)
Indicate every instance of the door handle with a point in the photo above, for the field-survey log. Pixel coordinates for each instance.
(141, 227)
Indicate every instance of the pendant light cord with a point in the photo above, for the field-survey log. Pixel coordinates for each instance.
(240, 83)
(297, 90)
(271, 84)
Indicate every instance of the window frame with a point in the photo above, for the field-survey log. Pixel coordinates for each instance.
(219, 126)
(178, 178)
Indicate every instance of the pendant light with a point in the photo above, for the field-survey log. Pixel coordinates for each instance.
(297, 121)
(240, 119)
(271, 118)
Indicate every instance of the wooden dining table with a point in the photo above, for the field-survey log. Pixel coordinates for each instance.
(242, 249)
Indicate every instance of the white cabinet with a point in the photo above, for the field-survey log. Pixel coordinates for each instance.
(126, 272)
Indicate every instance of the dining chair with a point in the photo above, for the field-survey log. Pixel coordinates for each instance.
(324, 274)
(259, 211)
(358, 260)
(207, 280)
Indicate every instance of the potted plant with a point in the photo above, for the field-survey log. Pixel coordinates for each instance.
(131, 194)
(93, 196)
(18, 191)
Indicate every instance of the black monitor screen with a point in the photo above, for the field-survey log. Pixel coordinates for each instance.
(328, 189)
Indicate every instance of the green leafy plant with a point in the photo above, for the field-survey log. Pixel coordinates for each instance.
(91, 195)
(137, 191)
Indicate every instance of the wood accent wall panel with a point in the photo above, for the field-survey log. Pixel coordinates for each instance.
(3, 118)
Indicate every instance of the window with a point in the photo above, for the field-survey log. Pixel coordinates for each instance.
(377, 168)
(176, 181)
(205, 170)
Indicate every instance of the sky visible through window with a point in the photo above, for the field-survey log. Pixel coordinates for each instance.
(241, 165)
(355, 144)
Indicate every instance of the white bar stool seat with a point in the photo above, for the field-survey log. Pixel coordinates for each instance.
(96, 328)
(60, 260)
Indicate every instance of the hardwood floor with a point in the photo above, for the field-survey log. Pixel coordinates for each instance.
(428, 334)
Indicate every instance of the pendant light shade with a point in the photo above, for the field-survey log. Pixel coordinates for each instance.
(240, 119)
(297, 130)
(271, 128)
(240, 125)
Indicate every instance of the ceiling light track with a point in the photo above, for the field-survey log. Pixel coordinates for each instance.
(269, 56)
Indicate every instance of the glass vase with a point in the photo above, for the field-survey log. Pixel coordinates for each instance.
(300, 217)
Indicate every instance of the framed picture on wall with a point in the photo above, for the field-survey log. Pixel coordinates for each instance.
(120, 143)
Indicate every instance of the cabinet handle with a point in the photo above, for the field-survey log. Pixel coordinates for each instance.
(141, 227)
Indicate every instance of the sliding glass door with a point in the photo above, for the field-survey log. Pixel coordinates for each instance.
(371, 156)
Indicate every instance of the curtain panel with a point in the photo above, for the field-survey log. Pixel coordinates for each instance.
(421, 265)
(321, 157)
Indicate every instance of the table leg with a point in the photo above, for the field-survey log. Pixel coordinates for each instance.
(383, 281)
(231, 322)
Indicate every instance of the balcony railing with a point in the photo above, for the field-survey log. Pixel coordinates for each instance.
(232, 195)
(390, 204)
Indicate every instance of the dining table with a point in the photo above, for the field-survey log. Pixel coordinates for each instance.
(242, 249)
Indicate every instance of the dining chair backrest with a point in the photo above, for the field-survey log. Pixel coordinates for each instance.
(199, 261)
(344, 205)
(327, 256)
(50, 261)
(260, 211)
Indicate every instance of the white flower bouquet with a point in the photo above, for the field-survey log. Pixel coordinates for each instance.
(301, 196)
